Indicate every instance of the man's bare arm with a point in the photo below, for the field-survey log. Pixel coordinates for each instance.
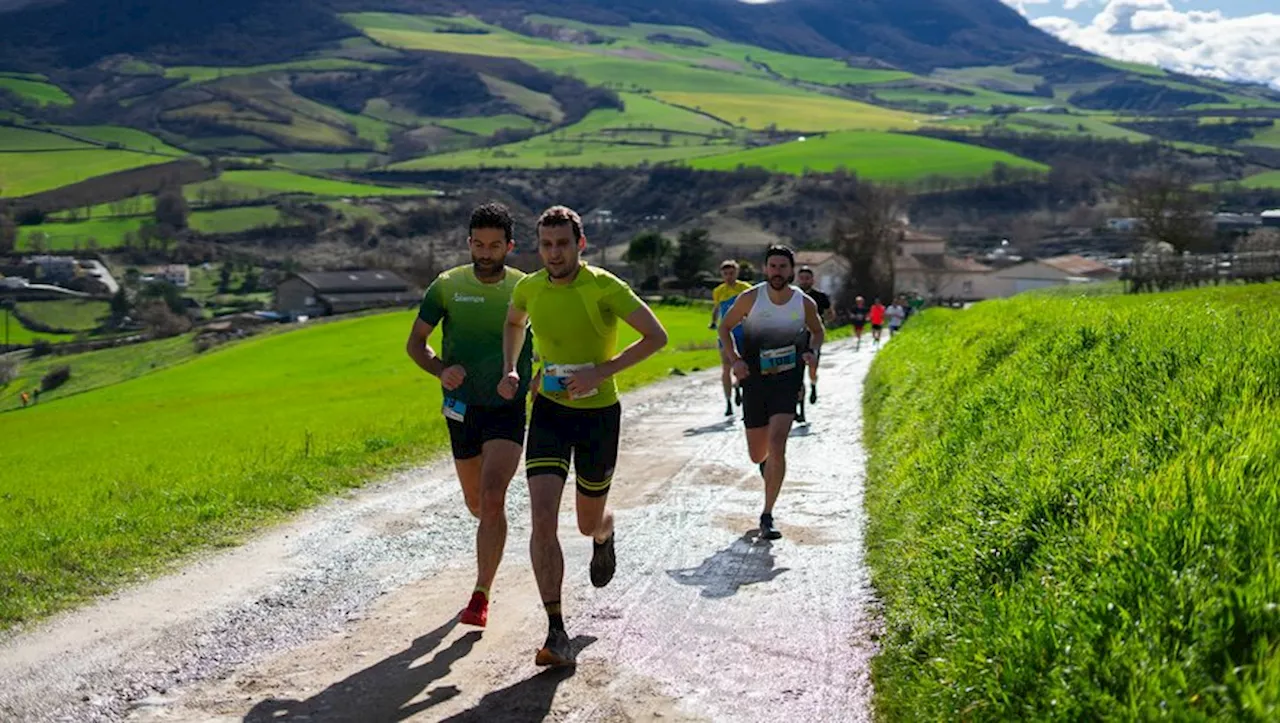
(731, 319)
(652, 338)
(513, 338)
(420, 351)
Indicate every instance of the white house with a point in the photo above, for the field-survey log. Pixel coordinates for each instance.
(921, 265)
(1056, 271)
(829, 270)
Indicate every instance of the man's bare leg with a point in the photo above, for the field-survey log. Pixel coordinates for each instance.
(469, 473)
(501, 459)
(545, 492)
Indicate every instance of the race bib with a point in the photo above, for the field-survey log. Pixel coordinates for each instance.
(775, 361)
(454, 409)
(555, 379)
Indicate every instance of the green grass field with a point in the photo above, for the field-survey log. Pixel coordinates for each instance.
(72, 314)
(875, 156)
(201, 74)
(1268, 137)
(28, 140)
(130, 138)
(109, 232)
(18, 334)
(324, 161)
(23, 174)
(34, 91)
(101, 486)
(488, 125)
(1001, 78)
(1075, 509)
(263, 184)
(1270, 179)
(799, 113)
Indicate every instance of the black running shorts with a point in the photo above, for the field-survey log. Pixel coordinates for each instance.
(482, 424)
(765, 396)
(590, 436)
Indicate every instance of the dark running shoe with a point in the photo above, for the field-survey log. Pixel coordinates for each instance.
(767, 530)
(728, 410)
(737, 395)
(556, 652)
(603, 561)
(813, 394)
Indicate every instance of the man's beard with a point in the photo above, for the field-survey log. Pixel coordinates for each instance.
(486, 267)
(778, 283)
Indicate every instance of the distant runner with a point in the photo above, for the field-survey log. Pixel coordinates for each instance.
(486, 431)
(574, 310)
(896, 314)
(877, 321)
(804, 277)
(776, 317)
(858, 316)
(722, 298)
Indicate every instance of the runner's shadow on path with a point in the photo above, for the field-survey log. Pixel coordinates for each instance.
(747, 561)
(724, 426)
(800, 430)
(529, 700)
(382, 691)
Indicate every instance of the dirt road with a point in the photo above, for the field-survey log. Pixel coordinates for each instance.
(348, 613)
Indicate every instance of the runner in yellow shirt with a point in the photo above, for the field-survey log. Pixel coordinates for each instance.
(722, 299)
(573, 310)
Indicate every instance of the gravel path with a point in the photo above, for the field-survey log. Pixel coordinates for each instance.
(347, 612)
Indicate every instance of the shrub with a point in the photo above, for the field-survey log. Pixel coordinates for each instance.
(55, 378)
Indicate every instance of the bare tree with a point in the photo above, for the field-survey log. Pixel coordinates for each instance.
(865, 232)
(1168, 209)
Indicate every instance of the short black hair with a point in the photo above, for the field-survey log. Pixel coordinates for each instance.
(561, 216)
(780, 250)
(493, 215)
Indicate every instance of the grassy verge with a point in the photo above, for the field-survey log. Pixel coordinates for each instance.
(101, 487)
(1075, 508)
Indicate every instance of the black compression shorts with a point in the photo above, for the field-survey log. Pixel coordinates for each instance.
(483, 424)
(590, 436)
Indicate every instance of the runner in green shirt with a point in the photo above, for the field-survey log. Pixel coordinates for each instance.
(485, 429)
(574, 310)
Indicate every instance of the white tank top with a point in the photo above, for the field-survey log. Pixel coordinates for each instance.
(774, 334)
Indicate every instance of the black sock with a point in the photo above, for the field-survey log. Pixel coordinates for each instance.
(554, 619)
(762, 468)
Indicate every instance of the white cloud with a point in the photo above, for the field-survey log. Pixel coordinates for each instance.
(1195, 42)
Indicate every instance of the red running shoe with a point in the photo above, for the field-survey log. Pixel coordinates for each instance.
(477, 612)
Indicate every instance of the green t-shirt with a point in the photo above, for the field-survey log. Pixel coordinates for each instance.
(574, 324)
(474, 315)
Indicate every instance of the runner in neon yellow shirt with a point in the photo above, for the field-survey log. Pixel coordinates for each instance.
(722, 298)
(573, 310)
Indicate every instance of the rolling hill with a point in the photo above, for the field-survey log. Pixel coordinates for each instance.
(338, 89)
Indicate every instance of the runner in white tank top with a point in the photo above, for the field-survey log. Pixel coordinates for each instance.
(775, 317)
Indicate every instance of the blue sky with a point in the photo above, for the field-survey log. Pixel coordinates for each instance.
(1229, 8)
(1227, 39)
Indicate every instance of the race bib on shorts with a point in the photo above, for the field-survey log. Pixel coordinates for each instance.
(555, 379)
(776, 361)
(454, 409)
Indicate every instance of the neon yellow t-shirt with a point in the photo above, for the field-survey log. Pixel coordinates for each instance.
(575, 324)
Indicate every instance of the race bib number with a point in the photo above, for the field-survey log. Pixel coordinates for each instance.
(455, 409)
(776, 361)
(555, 379)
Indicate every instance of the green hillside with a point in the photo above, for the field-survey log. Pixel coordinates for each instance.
(1075, 509)
(195, 452)
(875, 156)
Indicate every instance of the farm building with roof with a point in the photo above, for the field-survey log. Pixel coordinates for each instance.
(324, 293)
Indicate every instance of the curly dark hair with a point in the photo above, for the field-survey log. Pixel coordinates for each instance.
(562, 216)
(493, 215)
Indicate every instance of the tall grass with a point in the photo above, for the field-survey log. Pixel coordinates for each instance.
(1075, 509)
(101, 486)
